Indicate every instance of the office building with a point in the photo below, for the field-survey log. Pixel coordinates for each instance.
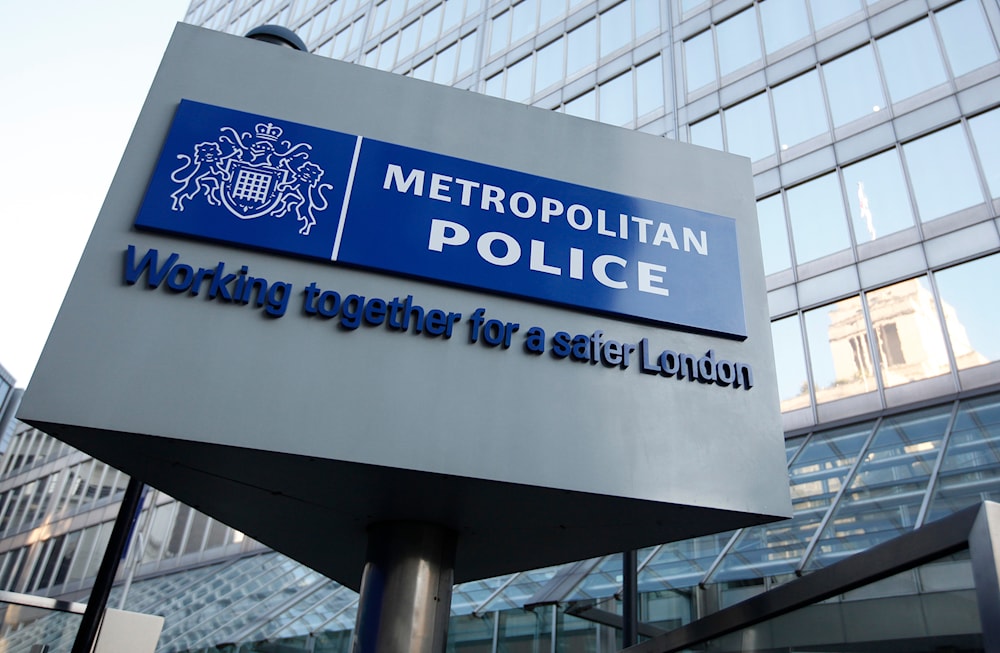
(871, 128)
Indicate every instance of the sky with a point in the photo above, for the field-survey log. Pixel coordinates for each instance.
(73, 78)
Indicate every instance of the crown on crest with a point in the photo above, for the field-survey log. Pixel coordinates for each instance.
(268, 131)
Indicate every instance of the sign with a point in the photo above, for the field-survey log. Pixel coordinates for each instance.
(351, 297)
(253, 180)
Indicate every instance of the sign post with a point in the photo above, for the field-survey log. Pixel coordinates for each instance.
(405, 601)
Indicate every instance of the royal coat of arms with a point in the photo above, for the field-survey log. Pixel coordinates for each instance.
(253, 175)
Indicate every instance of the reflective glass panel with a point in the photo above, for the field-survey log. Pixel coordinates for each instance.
(970, 300)
(452, 15)
(357, 33)
(387, 54)
(518, 80)
(523, 20)
(784, 22)
(966, 35)
(739, 43)
(853, 86)
(616, 100)
(790, 363)
(682, 564)
(444, 68)
(839, 350)
(819, 225)
(942, 173)
(432, 27)
(548, 66)
(602, 580)
(885, 495)
(494, 85)
(877, 197)
(773, 234)
(499, 29)
(525, 584)
(396, 8)
(647, 17)
(908, 338)
(408, 39)
(911, 60)
(649, 86)
(825, 12)
(708, 132)
(616, 28)
(466, 57)
(699, 61)
(584, 106)
(581, 47)
(799, 110)
(986, 133)
(815, 478)
(748, 128)
(549, 11)
(970, 471)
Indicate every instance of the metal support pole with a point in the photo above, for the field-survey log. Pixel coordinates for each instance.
(630, 599)
(90, 625)
(405, 601)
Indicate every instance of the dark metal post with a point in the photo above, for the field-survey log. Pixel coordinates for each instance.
(405, 599)
(90, 625)
(630, 599)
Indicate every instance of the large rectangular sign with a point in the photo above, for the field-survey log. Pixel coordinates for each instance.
(252, 180)
(519, 314)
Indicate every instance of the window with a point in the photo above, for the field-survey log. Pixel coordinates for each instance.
(584, 106)
(911, 60)
(739, 43)
(799, 110)
(499, 32)
(616, 106)
(784, 22)
(649, 86)
(970, 301)
(431, 27)
(523, 21)
(943, 175)
(819, 226)
(444, 67)
(519, 81)
(839, 350)
(616, 28)
(581, 47)
(708, 132)
(909, 346)
(853, 86)
(966, 35)
(549, 65)
(876, 195)
(985, 130)
(790, 363)
(826, 13)
(773, 234)
(748, 128)
(699, 61)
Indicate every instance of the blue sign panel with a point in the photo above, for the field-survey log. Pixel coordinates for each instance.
(249, 180)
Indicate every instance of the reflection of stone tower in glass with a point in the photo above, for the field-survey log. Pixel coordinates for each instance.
(908, 338)
(850, 350)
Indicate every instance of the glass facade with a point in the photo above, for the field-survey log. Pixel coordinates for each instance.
(870, 127)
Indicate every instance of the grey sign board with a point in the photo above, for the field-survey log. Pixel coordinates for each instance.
(542, 428)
